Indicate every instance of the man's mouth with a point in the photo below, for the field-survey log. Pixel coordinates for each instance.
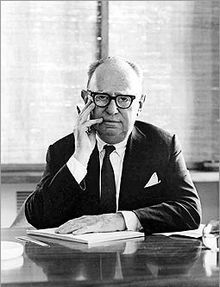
(110, 121)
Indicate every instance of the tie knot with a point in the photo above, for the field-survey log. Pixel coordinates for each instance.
(109, 149)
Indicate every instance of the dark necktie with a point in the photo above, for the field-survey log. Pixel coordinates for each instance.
(108, 189)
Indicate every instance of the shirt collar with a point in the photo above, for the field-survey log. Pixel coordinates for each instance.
(119, 147)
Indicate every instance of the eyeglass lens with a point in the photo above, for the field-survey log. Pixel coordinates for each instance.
(122, 101)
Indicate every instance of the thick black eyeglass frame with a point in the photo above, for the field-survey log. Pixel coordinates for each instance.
(93, 94)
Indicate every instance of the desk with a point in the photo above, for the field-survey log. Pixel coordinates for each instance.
(151, 261)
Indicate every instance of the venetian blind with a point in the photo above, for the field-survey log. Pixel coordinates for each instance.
(176, 44)
(47, 47)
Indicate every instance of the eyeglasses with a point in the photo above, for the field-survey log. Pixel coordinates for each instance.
(211, 235)
(102, 100)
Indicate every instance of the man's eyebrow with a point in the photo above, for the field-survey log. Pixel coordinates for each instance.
(124, 94)
(116, 93)
(98, 91)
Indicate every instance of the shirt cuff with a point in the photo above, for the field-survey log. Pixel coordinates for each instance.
(77, 169)
(131, 220)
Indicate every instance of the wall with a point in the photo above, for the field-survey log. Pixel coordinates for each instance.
(177, 45)
(209, 196)
(8, 201)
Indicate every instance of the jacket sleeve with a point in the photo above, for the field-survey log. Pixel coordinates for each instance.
(181, 208)
(55, 196)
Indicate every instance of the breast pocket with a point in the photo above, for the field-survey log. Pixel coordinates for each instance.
(152, 195)
(155, 190)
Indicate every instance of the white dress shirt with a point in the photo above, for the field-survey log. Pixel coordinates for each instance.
(116, 157)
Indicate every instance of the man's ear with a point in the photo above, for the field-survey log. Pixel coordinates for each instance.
(141, 103)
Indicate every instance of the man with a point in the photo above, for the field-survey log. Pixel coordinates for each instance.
(141, 183)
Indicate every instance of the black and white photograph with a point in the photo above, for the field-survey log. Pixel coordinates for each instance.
(110, 143)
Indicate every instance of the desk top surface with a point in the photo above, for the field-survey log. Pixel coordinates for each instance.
(151, 261)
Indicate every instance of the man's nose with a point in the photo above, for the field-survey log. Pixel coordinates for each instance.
(112, 108)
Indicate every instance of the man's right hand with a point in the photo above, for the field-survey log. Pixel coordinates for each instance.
(84, 135)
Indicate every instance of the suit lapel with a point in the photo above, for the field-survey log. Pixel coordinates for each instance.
(137, 168)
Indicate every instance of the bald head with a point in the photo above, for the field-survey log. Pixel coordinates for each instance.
(116, 71)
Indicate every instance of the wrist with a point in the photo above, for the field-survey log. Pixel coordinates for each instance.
(82, 158)
(77, 169)
(120, 221)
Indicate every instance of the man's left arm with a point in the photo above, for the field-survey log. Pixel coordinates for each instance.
(181, 208)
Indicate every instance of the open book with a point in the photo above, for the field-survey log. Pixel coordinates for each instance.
(89, 238)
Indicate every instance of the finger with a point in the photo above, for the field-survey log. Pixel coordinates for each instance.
(81, 112)
(66, 230)
(86, 105)
(78, 110)
(89, 104)
(60, 228)
(71, 225)
(85, 115)
(63, 229)
(92, 135)
(90, 123)
(86, 127)
(67, 227)
(82, 230)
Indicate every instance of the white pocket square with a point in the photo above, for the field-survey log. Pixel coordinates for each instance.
(153, 180)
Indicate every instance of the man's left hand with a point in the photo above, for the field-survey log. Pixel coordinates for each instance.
(93, 223)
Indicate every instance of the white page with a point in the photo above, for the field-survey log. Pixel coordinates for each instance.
(194, 233)
(89, 238)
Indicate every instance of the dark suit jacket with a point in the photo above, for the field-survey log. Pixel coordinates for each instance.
(173, 204)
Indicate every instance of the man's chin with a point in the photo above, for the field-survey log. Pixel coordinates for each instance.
(111, 137)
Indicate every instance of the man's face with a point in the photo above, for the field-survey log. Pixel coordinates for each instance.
(115, 78)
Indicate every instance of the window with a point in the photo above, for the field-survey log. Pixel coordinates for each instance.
(176, 44)
(46, 49)
(48, 45)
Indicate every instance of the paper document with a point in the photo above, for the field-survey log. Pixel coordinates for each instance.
(194, 233)
(89, 238)
(94, 238)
